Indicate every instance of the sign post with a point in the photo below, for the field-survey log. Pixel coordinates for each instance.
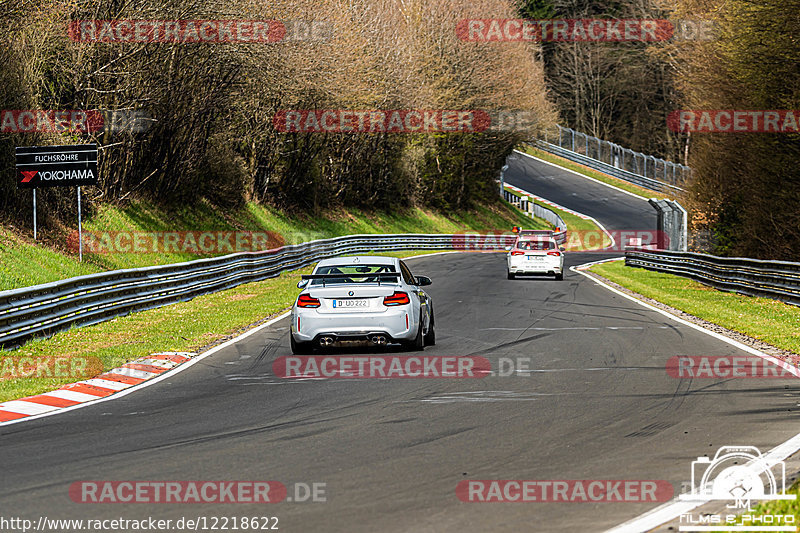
(34, 214)
(80, 231)
(57, 166)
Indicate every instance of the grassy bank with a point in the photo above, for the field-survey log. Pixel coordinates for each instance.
(56, 255)
(765, 319)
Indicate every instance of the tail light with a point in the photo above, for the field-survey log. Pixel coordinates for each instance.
(557, 254)
(398, 298)
(517, 252)
(307, 301)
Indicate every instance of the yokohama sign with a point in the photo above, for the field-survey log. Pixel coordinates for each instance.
(56, 166)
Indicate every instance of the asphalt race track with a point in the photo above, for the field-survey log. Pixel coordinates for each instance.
(612, 208)
(598, 405)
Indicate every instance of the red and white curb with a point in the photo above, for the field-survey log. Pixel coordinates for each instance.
(102, 386)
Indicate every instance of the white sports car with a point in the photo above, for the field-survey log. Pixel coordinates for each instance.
(364, 298)
(536, 254)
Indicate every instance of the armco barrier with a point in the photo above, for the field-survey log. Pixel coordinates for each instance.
(605, 168)
(43, 310)
(779, 280)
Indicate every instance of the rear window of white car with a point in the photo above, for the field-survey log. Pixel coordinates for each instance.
(536, 245)
(344, 270)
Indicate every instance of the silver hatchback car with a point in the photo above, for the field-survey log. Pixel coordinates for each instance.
(365, 298)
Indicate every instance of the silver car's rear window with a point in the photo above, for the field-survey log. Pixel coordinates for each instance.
(352, 269)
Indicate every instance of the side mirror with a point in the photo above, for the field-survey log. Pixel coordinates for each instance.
(562, 248)
(302, 283)
(422, 281)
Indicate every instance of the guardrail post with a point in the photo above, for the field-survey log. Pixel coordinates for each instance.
(671, 225)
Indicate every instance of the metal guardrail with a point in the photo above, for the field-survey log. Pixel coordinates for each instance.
(779, 280)
(43, 310)
(620, 157)
(606, 168)
(539, 211)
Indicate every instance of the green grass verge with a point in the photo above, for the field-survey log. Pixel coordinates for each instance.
(771, 321)
(55, 260)
(184, 326)
(586, 171)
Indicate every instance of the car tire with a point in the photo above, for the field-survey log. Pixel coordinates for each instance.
(511, 276)
(430, 338)
(300, 348)
(418, 344)
(559, 277)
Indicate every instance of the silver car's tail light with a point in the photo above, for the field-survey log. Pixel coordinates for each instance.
(398, 298)
(307, 301)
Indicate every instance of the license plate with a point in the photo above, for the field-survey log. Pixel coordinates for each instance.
(535, 257)
(349, 304)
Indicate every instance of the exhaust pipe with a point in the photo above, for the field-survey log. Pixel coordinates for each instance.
(378, 339)
(326, 341)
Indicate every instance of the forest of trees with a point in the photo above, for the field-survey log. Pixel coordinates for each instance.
(212, 135)
(746, 187)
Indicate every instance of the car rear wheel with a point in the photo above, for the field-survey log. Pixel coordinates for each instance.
(418, 343)
(430, 338)
(559, 277)
(300, 348)
(510, 275)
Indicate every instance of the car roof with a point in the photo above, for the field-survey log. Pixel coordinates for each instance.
(359, 260)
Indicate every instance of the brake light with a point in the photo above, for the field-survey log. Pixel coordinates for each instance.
(307, 301)
(398, 298)
(554, 253)
(517, 252)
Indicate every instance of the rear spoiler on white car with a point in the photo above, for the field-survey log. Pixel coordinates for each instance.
(385, 276)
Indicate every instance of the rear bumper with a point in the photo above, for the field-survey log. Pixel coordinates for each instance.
(529, 267)
(308, 325)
